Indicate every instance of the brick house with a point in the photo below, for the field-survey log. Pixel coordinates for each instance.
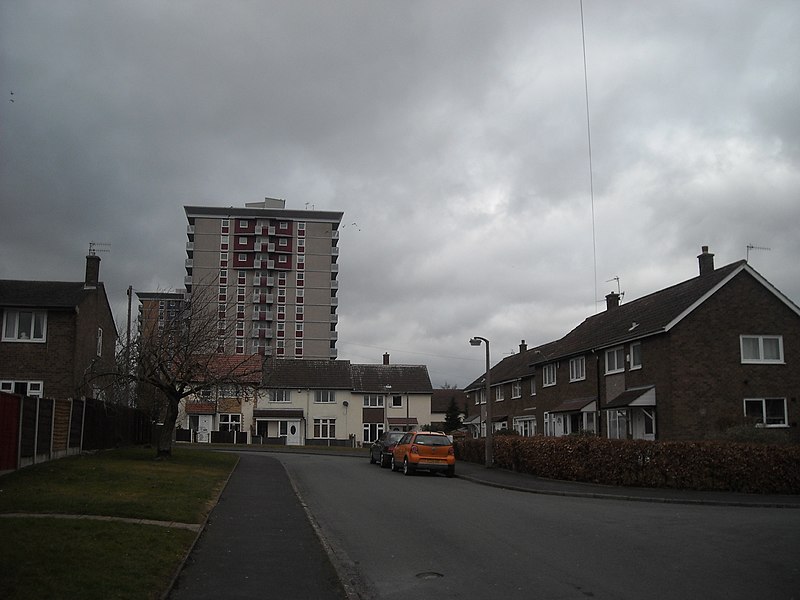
(56, 335)
(688, 362)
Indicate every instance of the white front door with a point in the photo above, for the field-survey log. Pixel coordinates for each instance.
(293, 434)
(204, 424)
(644, 424)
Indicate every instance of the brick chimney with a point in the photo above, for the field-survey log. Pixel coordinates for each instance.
(522, 346)
(706, 260)
(612, 301)
(386, 358)
(92, 272)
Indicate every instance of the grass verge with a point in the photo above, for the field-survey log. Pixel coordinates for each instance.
(61, 558)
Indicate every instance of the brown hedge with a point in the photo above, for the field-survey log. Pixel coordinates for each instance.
(706, 465)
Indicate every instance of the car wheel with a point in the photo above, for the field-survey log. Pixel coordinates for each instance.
(408, 468)
(451, 471)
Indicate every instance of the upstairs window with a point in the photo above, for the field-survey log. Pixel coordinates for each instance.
(499, 394)
(373, 401)
(615, 360)
(577, 368)
(516, 389)
(324, 396)
(636, 355)
(761, 349)
(280, 396)
(24, 326)
(549, 375)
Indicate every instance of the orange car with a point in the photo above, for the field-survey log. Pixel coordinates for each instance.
(424, 451)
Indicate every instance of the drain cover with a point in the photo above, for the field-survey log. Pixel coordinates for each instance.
(429, 575)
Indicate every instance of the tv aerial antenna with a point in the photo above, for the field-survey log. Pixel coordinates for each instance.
(95, 247)
(754, 247)
(620, 293)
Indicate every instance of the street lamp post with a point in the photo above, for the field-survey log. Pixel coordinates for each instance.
(476, 341)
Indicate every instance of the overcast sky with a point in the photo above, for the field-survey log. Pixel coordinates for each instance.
(453, 135)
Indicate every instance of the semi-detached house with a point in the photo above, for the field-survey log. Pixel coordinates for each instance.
(318, 402)
(687, 362)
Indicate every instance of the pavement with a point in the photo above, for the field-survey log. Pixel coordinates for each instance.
(259, 541)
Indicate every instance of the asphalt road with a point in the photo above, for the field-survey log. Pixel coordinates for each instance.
(427, 536)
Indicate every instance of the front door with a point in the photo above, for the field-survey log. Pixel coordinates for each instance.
(293, 437)
(644, 423)
(204, 424)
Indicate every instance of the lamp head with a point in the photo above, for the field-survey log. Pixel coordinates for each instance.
(474, 342)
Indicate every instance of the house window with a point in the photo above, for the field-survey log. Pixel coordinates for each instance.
(533, 385)
(397, 401)
(525, 426)
(372, 431)
(230, 422)
(617, 424)
(516, 389)
(499, 394)
(636, 355)
(99, 341)
(23, 388)
(764, 349)
(25, 326)
(767, 412)
(615, 360)
(324, 396)
(325, 428)
(280, 396)
(577, 369)
(549, 375)
(373, 400)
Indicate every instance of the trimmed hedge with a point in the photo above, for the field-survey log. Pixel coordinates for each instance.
(706, 465)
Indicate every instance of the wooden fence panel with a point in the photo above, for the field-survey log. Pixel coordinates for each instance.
(10, 406)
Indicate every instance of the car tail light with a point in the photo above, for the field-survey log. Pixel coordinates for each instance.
(414, 449)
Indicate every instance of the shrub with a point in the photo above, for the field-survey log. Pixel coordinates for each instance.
(707, 465)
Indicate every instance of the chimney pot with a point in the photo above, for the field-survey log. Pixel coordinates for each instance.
(706, 261)
(92, 271)
(386, 358)
(522, 346)
(612, 301)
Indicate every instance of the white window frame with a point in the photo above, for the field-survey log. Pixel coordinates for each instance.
(760, 360)
(619, 354)
(636, 348)
(533, 385)
(577, 369)
(372, 431)
(374, 401)
(549, 375)
(230, 422)
(11, 331)
(397, 401)
(325, 429)
(516, 389)
(279, 395)
(34, 389)
(324, 397)
(499, 393)
(525, 426)
(763, 403)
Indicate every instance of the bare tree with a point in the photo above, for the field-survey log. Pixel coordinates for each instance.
(182, 355)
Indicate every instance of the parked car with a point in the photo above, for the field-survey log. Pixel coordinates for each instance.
(424, 451)
(381, 450)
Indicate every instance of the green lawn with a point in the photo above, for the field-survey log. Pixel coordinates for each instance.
(65, 558)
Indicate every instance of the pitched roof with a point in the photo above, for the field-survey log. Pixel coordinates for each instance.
(651, 314)
(289, 373)
(43, 294)
(245, 369)
(398, 378)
